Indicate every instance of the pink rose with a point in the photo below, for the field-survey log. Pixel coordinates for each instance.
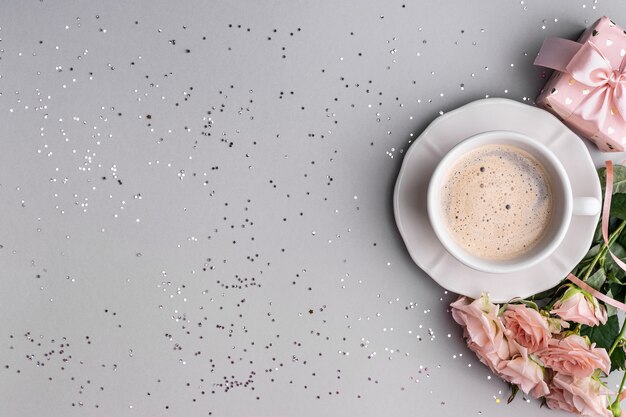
(579, 307)
(556, 399)
(574, 356)
(586, 396)
(556, 326)
(528, 327)
(483, 330)
(526, 373)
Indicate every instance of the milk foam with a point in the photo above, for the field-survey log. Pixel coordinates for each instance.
(497, 200)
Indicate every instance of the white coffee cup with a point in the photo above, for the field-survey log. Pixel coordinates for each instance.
(565, 205)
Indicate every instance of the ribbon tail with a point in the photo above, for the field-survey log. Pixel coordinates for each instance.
(618, 261)
(556, 53)
(606, 210)
(596, 106)
(619, 99)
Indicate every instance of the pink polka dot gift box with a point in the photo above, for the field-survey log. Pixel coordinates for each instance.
(588, 87)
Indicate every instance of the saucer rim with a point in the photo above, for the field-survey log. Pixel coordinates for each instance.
(426, 135)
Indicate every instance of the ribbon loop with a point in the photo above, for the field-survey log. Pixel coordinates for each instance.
(589, 66)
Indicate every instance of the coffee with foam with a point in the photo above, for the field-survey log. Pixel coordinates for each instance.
(497, 201)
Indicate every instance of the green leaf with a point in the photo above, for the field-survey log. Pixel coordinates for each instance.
(593, 251)
(597, 236)
(527, 303)
(603, 335)
(610, 277)
(619, 179)
(622, 239)
(618, 359)
(597, 279)
(618, 291)
(514, 391)
(618, 206)
(609, 264)
(610, 310)
(614, 223)
(580, 268)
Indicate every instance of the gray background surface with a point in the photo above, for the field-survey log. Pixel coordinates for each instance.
(196, 211)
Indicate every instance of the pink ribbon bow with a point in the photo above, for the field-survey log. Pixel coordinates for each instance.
(586, 64)
(591, 68)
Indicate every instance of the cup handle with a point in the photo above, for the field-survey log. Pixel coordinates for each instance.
(586, 206)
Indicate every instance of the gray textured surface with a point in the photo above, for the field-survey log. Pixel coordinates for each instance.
(196, 202)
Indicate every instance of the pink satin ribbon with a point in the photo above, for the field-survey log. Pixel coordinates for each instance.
(608, 192)
(606, 209)
(596, 293)
(590, 67)
(587, 65)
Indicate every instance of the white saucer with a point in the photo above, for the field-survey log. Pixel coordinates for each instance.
(440, 136)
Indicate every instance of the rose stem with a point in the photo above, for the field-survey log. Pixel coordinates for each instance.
(621, 387)
(602, 252)
(620, 337)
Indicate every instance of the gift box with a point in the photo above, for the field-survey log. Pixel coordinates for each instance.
(588, 87)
